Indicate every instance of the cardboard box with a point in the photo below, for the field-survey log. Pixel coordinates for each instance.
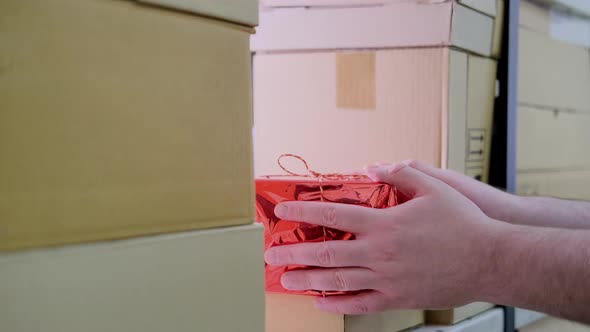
(239, 11)
(550, 324)
(453, 316)
(385, 26)
(345, 109)
(553, 73)
(209, 280)
(549, 139)
(570, 28)
(524, 317)
(120, 119)
(490, 321)
(487, 7)
(534, 17)
(295, 313)
(561, 183)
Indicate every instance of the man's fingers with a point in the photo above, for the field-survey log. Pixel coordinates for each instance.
(405, 178)
(344, 217)
(341, 279)
(359, 304)
(320, 254)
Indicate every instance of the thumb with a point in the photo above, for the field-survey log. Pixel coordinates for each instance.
(405, 178)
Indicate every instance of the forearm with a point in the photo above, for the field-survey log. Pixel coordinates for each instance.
(542, 269)
(550, 212)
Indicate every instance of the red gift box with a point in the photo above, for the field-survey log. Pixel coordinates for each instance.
(272, 190)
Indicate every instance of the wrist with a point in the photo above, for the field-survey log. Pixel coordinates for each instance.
(496, 279)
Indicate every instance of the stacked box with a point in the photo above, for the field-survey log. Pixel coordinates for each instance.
(122, 120)
(554, 108)
(489, 321)
(344, 84)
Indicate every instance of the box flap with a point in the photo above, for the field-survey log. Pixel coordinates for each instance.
(472, 30)
(239, 11)
(488, 7)
(374, 27)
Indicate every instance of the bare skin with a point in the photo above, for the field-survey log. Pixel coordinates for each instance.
(444, 248)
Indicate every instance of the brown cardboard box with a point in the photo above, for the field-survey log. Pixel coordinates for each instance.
(120, 119)
(294, 313)
(453, 316)
(549, 139)
(550, 324)
(206, 280)
(431, 104)
(385, 26)
(553, 73)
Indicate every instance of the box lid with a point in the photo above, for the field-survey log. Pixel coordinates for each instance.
(444, 23)
(490, 321)
(239, 11)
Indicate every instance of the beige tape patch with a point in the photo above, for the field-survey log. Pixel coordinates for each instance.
(355, 81)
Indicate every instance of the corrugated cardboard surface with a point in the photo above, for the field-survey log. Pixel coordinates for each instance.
(549, 139)
(490, 321)
(553, 73)
(428, 107)
(120, 120)
(534, 17)
(296, 110)
(564, 183)
(384, 26)
(208, 280)
(240, 11)
(550, 324)
(293, 313)
(453, 316)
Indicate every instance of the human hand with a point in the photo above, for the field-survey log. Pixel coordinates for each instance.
(493, 202)
(430, 252)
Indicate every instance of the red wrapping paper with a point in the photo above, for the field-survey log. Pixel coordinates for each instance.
(271, 191)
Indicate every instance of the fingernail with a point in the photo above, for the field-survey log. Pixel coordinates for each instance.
(385, 172)
(271, 257)
(281, 211)
(287, 281)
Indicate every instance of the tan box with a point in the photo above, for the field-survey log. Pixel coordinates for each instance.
(534, 17)
(550, 324)
(450, 23)
(488, 321)
(208, 280)
(550, 139)
(552, 73)
(453, 316)
(293, 313)
(485, 6)
(561, 183)
(120, 119)
(431, 104)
